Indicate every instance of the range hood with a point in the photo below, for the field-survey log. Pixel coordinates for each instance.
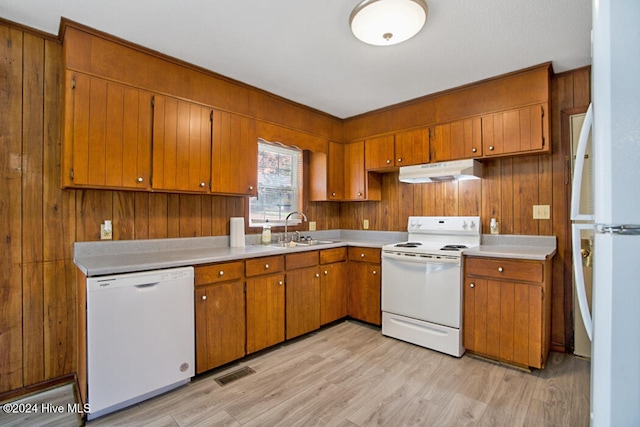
(439, 172)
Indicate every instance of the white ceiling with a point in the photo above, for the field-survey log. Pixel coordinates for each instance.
(304, 51)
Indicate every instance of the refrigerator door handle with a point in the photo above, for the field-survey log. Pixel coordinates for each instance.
(581, 292)
(576, 186)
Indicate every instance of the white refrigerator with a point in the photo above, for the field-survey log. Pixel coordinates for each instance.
(615, 363)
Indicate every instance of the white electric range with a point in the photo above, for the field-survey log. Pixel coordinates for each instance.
(422, 282)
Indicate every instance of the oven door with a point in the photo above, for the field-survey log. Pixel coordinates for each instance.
(422, 288)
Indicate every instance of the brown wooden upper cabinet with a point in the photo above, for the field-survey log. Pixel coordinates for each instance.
(379, 153)
(519, 130)
(412, 147)
(181, 145)
(358, 183)
(327, 174)
(461, 139)
(234, 157)
(107, 134)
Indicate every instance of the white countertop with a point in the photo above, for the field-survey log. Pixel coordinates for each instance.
(514, 246)
(115, 257)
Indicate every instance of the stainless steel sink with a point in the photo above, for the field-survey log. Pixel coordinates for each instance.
(303, 243)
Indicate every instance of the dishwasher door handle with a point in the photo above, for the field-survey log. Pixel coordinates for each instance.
(147, 285)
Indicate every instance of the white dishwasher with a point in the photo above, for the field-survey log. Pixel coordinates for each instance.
(140, 337)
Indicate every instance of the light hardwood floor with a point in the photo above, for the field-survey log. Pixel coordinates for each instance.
(351, 375)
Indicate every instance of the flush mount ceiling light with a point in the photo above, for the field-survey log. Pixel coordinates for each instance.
(387, 22)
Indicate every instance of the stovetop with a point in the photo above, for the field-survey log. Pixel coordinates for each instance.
(439, 236)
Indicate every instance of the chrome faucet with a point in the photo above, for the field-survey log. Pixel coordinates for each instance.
(286, 221)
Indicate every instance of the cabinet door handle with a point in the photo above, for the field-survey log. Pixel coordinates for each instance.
(266, 266)
(251, 188)
(326, 272)
(333, 194)
(400, 160)
(221, 273)
(491, 148)
(140, 179)
(317, 274)
(473, 150)
(388, 161)
(375, 272)
(500, 269)
(204, 297)
(280, 283)
(359, 194)
(472, 285)
(202, 184)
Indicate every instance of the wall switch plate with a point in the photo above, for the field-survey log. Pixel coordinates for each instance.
(312, 226)
(365, 224)
(106, 230)
(541, 212)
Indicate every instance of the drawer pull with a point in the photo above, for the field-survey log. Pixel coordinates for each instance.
(280, 283)
(204, 297)
(221, 273)
(472, 285)
(361, 255)
(500, 269)
(266, 266)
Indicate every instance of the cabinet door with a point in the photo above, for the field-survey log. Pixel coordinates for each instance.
(515, 131)
(234, 155)
(220, 324)
(379, 153)
(265, 311)
(333, 292)
(364, 292)
(107, 134)
(461, 139)
(181, 145)
(335, 171)
(503, 320)
(354, 175)
(412, 147)
(302, 301)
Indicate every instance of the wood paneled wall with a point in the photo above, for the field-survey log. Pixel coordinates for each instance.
(40, 222)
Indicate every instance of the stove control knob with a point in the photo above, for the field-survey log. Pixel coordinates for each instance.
(464, 224)
(473, 224)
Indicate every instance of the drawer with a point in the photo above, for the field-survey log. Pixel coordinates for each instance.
(301, 260)
(528, 271)
(265, 265)
(328, 256)
(222, 272)
(364, 255)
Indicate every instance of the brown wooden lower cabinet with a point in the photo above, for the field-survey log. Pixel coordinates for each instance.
(507, 310)
(364, 285)
(302, 293)
(220, 319)
(265, 298)
(334, 291)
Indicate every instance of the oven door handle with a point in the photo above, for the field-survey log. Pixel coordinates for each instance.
(419, 259)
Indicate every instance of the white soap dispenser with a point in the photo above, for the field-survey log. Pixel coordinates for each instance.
(494, 226)
(266, 234)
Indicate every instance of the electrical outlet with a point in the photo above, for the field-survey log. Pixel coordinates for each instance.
(312, 226)
(365, 224)
(541, 212)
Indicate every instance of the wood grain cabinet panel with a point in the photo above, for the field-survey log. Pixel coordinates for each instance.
(412, 147)
(334, 292)
(521, 130)
(302, 301)
(220, 323)
(234, 157)
(379, 153)
(326, 174)
(265, 311)
(181, 145)
(508, 320)
(107, 134)
(461, 139)
(264, 265)
(365, 285)
(359, 184)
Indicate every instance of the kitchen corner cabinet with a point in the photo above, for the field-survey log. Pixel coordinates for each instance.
(220, 314)
(265, 299)
(181, 145)
(358, 183)
(461, 139)
(107, 134)
(521, 130)
(302, 306)
(326, 174)
(334, 289)
(364, 285)
(234, 155)
(507, 309)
